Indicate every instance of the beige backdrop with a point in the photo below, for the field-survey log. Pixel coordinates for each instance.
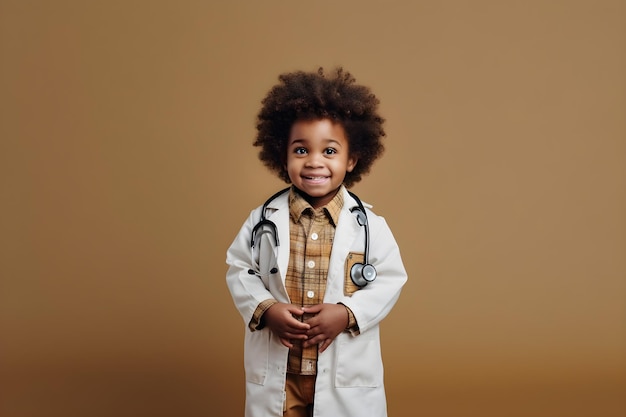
(127, 168)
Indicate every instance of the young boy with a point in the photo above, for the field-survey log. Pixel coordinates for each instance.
(313, 271)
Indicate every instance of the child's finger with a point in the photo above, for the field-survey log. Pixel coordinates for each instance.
(325, 345)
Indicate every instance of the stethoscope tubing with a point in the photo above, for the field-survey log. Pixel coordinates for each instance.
(357, 277)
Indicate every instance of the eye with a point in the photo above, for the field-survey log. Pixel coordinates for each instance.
(330, 151)
(300, 150)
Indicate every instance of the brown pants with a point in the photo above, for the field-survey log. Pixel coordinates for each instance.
(300, 391)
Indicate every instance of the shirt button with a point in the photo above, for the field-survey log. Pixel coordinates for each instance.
(311, 264)
(310, 294)
(314, 236)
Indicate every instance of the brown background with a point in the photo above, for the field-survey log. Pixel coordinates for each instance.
(127, 168)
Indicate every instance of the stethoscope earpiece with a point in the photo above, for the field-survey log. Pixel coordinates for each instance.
(361, 217)
(265, 226)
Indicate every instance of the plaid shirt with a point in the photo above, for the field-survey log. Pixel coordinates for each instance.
(311, 239)
(311, 233)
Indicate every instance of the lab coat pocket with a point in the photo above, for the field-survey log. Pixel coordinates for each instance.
(350, 287)
(256, 355)
(359, 363)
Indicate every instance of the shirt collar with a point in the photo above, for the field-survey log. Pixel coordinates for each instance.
(298, 206)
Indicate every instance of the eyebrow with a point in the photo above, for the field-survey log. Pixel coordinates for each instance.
(327, 141)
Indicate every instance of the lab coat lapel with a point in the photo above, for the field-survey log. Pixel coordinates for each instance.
(346, 233)
(278, 212)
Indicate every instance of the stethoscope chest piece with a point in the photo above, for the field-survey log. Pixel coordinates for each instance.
(362, 274)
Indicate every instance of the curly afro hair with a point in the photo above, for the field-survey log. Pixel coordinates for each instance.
(314, 95)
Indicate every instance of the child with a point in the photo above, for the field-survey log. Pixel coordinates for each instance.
(313, 271)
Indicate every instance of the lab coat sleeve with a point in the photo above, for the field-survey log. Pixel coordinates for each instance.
(372, 303)
(247, 290)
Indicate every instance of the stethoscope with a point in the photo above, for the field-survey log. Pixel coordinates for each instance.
(361, 274)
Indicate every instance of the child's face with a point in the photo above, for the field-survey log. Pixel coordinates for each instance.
(318, 158)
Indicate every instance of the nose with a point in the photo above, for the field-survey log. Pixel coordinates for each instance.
(314, 161)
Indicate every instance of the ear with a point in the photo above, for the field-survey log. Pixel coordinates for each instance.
(351, 164)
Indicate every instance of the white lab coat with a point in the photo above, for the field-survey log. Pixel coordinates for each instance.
(350, 372)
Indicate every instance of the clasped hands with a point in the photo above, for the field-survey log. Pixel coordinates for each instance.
(327, 322)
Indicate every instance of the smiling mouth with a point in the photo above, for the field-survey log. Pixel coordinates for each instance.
(315, 178)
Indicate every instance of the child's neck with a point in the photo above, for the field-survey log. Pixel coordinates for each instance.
(318, 202)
